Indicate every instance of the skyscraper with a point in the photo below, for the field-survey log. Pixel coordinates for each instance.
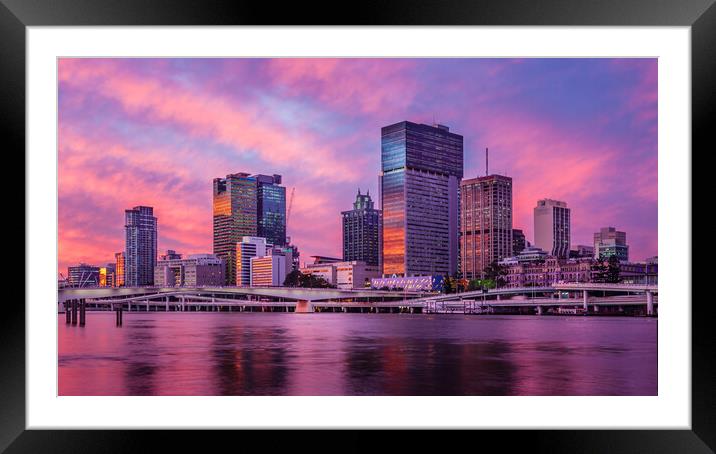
(235, 216)
(609, 241)
(119, 269)
(485, 223)
(271, 205)
(361, 231)
(552, 227)
(419, 184)
(140, 252)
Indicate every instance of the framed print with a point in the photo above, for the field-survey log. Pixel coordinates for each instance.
(443, 215)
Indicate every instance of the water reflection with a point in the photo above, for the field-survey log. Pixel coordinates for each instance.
(240, 368)
(356, 354)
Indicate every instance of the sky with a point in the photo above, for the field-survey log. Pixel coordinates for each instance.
(157, 132)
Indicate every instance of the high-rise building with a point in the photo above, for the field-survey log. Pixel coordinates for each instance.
(248, 248)
(361, 231)
(519, 241)
(609, 241)
(485, 223)
(107, 275)
(235, 216)
(552, 227)
(140, 252)
(271, 206)
(83, 275)
(419, 188)
(119, 269)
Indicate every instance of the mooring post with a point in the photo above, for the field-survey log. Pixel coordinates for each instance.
(121, 314)
(82, 312)
(74, 312)
(67, 312)
(116, 316)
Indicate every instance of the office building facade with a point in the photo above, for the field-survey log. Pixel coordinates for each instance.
(271, 209)
(140, 253)
(485, 223)
(119, 269)
(248, 248)
(421, 169)
(608, 242)
(235, 215)
(107, 275)
(362, 228)
(519, 241)
(83, 275)
(268, 271)
(552, 227)
(196, 270)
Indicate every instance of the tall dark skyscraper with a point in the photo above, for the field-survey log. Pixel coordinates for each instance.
(420, 179)
(140, 254)
(361, 231)
(235, 216)
(485, 223)
(271, 205)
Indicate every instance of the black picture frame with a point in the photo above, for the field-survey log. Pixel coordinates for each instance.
(700, 15)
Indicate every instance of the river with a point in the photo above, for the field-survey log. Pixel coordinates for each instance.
(356, 354)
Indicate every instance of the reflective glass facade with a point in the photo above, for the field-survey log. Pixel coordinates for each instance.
(271, 205)
(140, 254)
(421, 171)
(235, 216)
(362, 231)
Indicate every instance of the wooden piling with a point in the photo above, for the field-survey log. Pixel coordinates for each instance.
(82, 312)
(67, 312)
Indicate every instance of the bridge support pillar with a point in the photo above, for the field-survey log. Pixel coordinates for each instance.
(166, 304)
(584, 299)
(649, 303)
(304, 307)
(68, 312)
(539, 310)
(146, 302)
(498, 297)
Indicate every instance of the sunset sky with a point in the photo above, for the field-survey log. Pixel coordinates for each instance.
(157, 131)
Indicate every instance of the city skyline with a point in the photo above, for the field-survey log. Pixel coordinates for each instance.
(165, 127)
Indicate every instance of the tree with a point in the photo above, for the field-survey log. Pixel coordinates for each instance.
(612, 272)
(496, 273)
(599, 271)
(448, 284)
(293, 279)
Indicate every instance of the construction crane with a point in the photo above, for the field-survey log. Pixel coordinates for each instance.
(290, 204)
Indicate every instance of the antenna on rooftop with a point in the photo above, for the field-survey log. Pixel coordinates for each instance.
(487, 161)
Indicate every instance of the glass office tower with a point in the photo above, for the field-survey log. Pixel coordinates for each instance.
(235, 216)
(140, 254)
(422, 167)
(361, 231)
(271, 205)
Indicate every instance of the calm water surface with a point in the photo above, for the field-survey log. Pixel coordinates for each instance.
(356, 354)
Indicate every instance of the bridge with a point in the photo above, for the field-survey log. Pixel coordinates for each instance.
(563, 298)
(557, 298)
